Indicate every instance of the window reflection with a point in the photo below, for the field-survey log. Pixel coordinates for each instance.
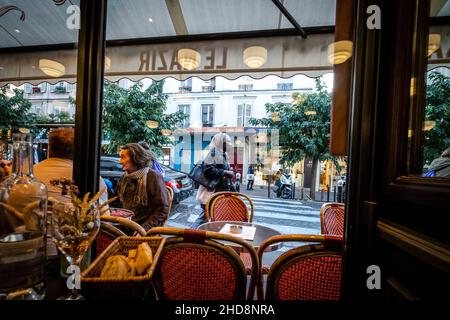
(436, 120)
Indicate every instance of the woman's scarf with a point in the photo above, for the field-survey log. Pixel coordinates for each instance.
(140, 193)
(216, 154)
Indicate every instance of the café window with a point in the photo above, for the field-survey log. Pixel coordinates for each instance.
(244, 113)
(207, 115)
(186, 109)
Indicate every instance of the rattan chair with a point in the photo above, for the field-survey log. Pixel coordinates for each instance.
(310, 272)
(195, 266)
(332, 217)
(109, 231)
(229, 206)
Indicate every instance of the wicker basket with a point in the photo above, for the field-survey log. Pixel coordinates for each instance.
(94, 287)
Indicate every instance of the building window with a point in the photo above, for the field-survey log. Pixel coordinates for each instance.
(165, 160)
(209, 86)
(186, 109)
(207, 115)
(244, 114)
(186, 85)
(60, 87)
(285, 86)
(245, 87)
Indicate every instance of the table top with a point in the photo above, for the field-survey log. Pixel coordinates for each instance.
(261, 233)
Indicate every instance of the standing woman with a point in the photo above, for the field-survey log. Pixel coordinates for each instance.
(217, 168)
(141, 189)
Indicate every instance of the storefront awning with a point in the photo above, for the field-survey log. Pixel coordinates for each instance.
(281, 56)
(255, 57)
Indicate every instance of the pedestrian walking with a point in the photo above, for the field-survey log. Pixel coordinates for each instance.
(250, 177)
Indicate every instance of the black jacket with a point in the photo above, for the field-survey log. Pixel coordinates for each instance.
(216, 171)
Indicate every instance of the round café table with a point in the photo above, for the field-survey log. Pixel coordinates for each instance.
(262, 233)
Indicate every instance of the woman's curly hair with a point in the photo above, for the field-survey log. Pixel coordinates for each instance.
(140, 154)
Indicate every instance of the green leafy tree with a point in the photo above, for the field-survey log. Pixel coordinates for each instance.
(64, 116)
(304, 127)
(14, 112)
(437, 110)
(126, 111)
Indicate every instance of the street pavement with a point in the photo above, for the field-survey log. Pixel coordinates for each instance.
(285, 216)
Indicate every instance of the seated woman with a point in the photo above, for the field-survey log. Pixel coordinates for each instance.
(141, 189)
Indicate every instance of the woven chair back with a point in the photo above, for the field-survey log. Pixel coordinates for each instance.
(106, 235)
(309, 272)
(332, 217)
(230, 206)
(194, 266)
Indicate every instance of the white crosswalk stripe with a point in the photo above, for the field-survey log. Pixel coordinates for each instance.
(286, 216)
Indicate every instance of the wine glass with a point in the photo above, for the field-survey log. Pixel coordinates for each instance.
(74, 228)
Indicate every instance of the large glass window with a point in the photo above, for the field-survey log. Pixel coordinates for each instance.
(207, 115)
(430, 144)
(244, 114)
(186, 109)
(186, 85)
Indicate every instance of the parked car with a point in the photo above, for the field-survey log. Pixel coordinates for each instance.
(111, 171)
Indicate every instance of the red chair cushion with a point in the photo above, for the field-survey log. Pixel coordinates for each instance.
(189, 273)
(315, 278)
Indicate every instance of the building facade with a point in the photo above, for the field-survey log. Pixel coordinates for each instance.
(212, 106)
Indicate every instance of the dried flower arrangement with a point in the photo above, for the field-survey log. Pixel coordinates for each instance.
(80, 209)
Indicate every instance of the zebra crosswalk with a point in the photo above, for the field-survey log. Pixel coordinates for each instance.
(286, 216)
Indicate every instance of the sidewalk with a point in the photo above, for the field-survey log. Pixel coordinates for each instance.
(261, 192)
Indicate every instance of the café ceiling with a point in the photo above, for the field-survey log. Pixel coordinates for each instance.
(44, 21)
(49, 23)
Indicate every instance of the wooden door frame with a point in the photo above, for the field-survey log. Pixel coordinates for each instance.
(378, 143)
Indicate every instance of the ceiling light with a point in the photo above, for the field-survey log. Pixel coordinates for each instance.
(152, 124)
(428, 125)
(255, 57)
(340, 51)
(17, 30)
(150, 20)
(107, 63)
(52, 68)
(434, 43)
(166, 132)
(188, 58)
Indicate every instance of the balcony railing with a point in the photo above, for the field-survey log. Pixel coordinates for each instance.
(60, 90)
(208, 88)
(185, 89)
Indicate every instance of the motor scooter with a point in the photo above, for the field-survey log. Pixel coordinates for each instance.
(285, 188)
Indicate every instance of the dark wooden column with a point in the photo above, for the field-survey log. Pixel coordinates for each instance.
(89, 96)
(342, 81)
